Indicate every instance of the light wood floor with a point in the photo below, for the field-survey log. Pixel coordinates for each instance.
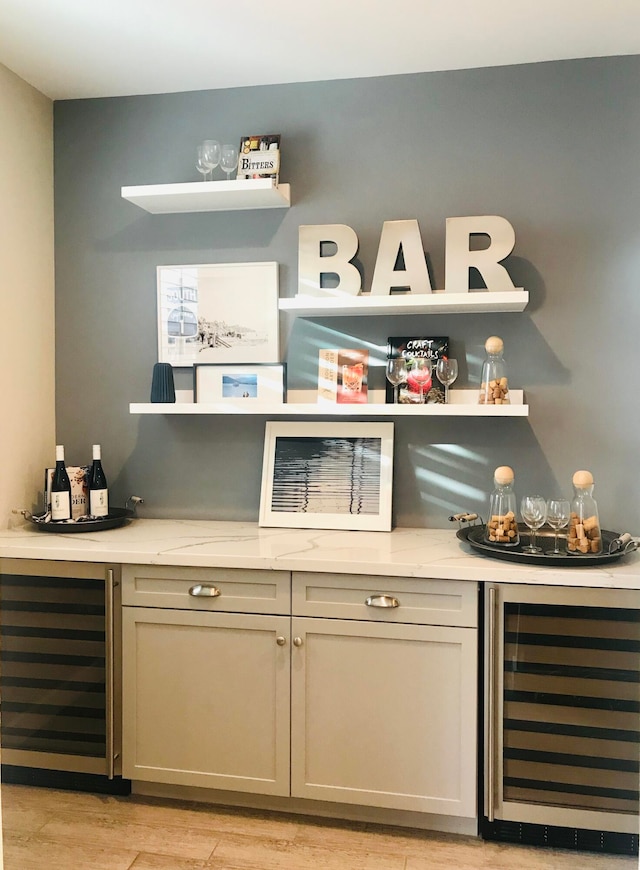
(45, 829)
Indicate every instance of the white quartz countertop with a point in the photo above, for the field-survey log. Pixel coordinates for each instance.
(427, 553)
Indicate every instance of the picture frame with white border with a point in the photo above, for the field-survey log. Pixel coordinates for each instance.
(218, 313)
(331, 475)
(240, 384)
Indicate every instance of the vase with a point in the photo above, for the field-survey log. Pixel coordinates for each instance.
(162, 387)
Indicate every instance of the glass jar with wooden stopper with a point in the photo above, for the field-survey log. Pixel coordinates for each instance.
(494, 386)
(502, 526)
(584, 537)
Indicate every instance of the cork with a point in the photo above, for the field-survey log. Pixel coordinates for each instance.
(494, 344)
(583, 478)
(503, 475)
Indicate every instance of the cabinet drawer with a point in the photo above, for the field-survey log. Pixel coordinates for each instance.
(230, 589)
(419, 601)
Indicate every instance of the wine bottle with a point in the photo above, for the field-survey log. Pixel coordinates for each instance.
(98, 492)
(60, 489)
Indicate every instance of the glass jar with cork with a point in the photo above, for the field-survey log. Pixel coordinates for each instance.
(494, 387)
(502, 526)
(584, 536)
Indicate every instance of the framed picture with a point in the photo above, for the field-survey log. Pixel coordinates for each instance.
(218, 313)
(238, 384)
(327, 476)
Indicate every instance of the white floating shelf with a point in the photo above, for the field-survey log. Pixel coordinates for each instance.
(438, 302)
(202, 196)
(464, 403)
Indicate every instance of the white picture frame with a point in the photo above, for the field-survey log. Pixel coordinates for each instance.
(218, 313)
(308, 476)
(243, 384)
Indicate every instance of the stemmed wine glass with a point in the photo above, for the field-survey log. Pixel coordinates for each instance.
(421, 374)
(202, 162)
(558, 510)
(229, 159)
(446, 372)
(534, 512)
(396, 374)
(211, 155)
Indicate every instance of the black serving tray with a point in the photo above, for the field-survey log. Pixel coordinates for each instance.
(116, 517)
(474, 536)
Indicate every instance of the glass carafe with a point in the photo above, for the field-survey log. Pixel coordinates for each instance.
(502, 526)
(494, 386)
(584, 537)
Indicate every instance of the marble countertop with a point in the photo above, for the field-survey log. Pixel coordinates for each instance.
(404, 552)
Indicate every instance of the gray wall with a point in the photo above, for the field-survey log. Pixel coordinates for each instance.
(551, 147)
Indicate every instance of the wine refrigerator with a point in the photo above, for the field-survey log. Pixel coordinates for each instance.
(562, 716)
(59, 674)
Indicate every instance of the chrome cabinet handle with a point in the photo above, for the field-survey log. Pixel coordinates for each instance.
(204, 590)
(297, 641)
(281, 640)
(382, 601)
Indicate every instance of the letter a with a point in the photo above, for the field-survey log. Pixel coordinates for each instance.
(415, 276)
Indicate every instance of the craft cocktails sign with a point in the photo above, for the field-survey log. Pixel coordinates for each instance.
(403, 237)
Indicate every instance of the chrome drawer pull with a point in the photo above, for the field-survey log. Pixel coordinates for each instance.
(382, 601)
(203, 590)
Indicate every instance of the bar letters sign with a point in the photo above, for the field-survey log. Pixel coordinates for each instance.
(328, 249)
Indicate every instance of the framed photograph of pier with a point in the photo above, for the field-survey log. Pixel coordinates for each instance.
(218, 313)
(250, 384)
(327, 476)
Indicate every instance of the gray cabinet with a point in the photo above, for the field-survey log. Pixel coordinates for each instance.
(206, 694)
(383, 707)
(363, 691)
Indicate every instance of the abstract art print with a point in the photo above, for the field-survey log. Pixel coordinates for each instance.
(327, 476)
(218, 313)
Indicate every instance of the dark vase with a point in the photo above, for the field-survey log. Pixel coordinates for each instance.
(162, 387)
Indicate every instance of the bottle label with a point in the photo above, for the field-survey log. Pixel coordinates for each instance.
(60, 506)
(98, 502)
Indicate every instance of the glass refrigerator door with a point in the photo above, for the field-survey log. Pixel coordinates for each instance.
(57, 667)
(565, 729)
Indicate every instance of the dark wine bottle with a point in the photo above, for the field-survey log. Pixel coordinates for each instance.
(98, 491)
(60, 489)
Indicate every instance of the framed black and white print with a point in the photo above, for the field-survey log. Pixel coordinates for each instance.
(327, 476)
(218, 313)
(248, 385)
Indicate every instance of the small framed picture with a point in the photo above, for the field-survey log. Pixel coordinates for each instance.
(327, 476)
(239, 384)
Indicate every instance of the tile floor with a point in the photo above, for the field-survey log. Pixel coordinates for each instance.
(45, 829)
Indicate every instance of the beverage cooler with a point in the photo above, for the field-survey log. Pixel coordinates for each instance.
(562, 717)
(60, 665)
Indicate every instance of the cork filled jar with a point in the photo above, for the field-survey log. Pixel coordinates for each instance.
(584, 536)
(502, 527)
(494, 386)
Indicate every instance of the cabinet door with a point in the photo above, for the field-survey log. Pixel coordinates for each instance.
(385, 715)
(206, 699)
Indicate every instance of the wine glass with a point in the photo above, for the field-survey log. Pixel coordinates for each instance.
(421, 375)
(558, 510)
(396, 374)
(211, 151)
(446, 372)
(534, 512)
(202, 162)
(229, 159)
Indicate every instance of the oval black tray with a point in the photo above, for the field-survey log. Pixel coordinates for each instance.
(116, 517)
(474, 536)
